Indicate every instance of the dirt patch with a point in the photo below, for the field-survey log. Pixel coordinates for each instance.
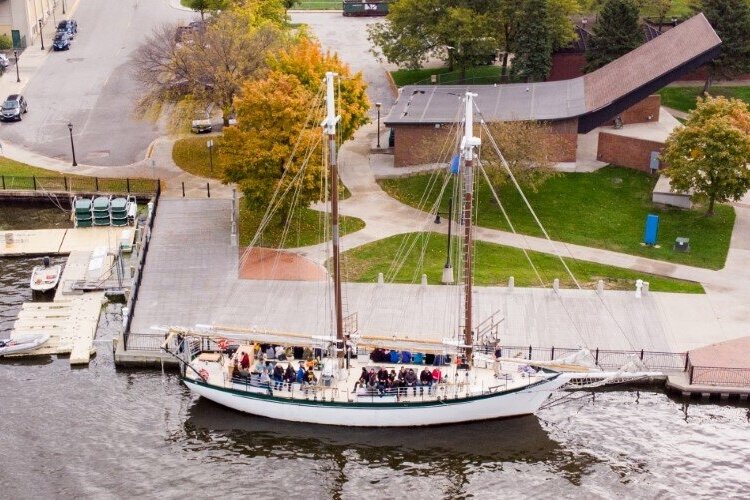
(272, 264)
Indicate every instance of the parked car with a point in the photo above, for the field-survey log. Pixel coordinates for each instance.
(4, 62)
(201, 122)
(69, 26)
(13, 107)
(61, 41)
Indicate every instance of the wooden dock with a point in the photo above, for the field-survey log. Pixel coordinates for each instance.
(61, 241)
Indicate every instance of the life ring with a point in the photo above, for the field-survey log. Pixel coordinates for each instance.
(203, 374)
(223, 344)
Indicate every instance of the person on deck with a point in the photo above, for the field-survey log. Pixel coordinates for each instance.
(301, 372)
(363, 378)
(411, 380)
(289, 376)
(310, 377)
(245, 362)
(425, 380)
(278, 376)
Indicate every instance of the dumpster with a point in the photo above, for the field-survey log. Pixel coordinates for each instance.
(365, 8)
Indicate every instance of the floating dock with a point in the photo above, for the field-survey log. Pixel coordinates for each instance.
(28, 243)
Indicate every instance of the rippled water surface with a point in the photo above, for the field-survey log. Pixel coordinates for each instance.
(100, 432)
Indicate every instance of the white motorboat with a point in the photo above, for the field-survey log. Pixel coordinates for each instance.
(45, 277)
(22, 344)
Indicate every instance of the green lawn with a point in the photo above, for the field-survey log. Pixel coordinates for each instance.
(305, 228)
(16, 175)
(319, 5)
(683, 98)
(493, 265)
(605, 209)
(191, 155)
(478, 75)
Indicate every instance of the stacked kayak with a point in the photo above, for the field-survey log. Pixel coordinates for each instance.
(119, 212)
(101, 210)
(82, 212)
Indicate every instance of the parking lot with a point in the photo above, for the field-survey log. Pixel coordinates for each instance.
(91, 86)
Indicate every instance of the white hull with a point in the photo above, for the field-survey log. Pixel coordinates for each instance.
(22, 344)
(45, 278)
(522, 401)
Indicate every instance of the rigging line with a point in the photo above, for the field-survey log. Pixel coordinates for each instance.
(510, 224)
(526, 201)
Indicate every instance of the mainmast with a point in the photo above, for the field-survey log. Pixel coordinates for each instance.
(329, 128)
(468, 143)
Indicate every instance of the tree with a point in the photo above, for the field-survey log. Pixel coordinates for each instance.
(710, 153)
(285, 107)
(306, 61)
(731, 21)
(205, 5)
(527, 147)
(533, 54)
(616, 33)
(273, 120)
(208, 66)
(656, 9)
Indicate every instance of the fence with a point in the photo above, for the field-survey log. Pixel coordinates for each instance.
(74, 184)
(713, 375)
(605, 358)
(145, 239)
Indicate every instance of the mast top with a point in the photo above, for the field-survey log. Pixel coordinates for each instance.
(468, 142)
(329, 123)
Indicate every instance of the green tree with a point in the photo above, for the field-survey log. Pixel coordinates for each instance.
(655, 9)
(533, 53)
(710, 153)
(731, 21)
(616, 33)
(204, 6)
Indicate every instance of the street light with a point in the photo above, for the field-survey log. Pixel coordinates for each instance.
(41, 36)
(63, 6)
(447, 269)
(377, 105)
(18, 76)
(210, 144)
(72, 146)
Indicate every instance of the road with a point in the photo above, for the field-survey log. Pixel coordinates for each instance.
(348, 37)
(91, 86)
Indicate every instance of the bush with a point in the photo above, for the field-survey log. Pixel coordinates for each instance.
(5, 42)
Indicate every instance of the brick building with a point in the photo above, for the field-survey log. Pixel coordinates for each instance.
(425, 117)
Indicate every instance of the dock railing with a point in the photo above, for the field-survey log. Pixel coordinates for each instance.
(719, 376)
(133, 299)
(79, 185)
(607, 359)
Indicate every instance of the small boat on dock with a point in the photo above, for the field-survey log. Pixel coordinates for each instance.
(22, 344)
(45, 277)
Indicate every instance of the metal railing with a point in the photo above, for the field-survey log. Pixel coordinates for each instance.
(719, 376)
(604, 358)
(79, 184)
(137, 278)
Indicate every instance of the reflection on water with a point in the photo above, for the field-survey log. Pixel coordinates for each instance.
(100, 432)
(16, 215)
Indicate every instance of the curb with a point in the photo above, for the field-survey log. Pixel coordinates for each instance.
(391, 83)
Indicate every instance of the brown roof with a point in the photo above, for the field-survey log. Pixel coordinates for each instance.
(649, 61)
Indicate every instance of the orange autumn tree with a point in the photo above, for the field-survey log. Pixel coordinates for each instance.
(285, 109)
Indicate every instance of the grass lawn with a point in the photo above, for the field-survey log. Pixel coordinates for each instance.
(191, 155)
(493, 265)
(306, 227)
(605, 209)
(683, 98)
(478, 75)
(18, 175)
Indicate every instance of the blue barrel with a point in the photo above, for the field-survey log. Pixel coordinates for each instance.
(652, 229)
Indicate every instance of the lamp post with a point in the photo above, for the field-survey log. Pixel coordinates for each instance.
(72, 146)
(447, 269)
(41, 35)
(210, 144)
(18, 75)
(377, 105)
(63, 1)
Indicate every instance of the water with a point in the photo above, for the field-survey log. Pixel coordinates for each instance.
(105, 433)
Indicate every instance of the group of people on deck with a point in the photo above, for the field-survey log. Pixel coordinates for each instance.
(382, 381)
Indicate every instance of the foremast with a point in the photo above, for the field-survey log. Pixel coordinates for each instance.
(468, 143)
(329, 129)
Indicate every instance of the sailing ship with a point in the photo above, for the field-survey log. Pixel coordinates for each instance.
(467, 385)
